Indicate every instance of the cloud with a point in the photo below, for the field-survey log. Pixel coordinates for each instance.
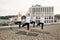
(14, 6)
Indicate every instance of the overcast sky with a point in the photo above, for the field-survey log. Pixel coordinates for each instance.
(12, 7)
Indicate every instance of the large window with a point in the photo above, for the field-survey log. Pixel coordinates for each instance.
(37, 21)
(47, 9)
(43, 9)
(37, 17)
(33, 10)
(51, 9)
(37, 9)
(50, 17)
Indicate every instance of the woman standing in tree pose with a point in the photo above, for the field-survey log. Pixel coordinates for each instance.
(33, 19)
(19, 20)
(27, 21)
(42, 20)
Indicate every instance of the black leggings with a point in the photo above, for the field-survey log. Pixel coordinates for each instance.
(27, 25)
(33, 22)
(42, 24)
(19, 23)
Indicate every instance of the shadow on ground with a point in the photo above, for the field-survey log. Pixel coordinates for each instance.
(29, 33)
(33, 32)
(39, 31)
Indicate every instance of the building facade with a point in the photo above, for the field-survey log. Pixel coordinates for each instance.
(48, 11)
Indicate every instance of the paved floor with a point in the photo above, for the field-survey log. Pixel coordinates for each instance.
(50, 32)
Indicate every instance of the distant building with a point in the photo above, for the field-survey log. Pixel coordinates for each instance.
(48, 11)
(57, 18)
